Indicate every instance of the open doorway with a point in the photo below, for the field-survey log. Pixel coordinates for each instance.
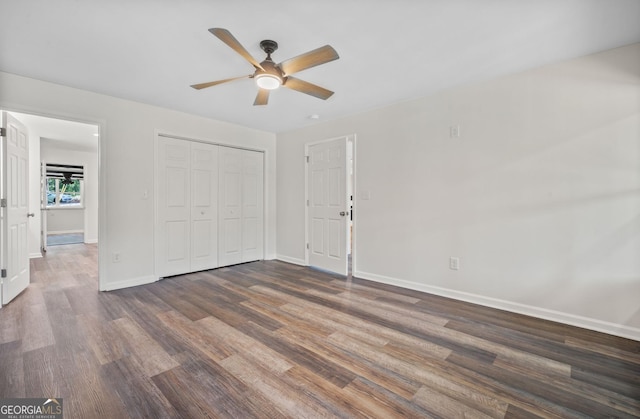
(65, 206)
(63, 183)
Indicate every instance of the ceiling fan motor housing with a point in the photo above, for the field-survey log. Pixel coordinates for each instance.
(270, 68)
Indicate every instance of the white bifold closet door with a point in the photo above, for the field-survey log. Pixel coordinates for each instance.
(210, 210)
(241, 213)
(187, 209)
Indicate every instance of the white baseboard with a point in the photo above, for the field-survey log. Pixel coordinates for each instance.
(288, 259)
(52, 233)
(133, 282)
(35, 255)
(542, 313)
(91, 241)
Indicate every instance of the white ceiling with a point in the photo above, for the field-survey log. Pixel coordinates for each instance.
(150, 51)
(60, 133)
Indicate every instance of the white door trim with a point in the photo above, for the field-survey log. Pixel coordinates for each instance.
(205, 141)
(43, 207)
(350, 138)
(102, 177)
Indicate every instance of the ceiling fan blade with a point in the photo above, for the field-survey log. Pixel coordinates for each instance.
(262, 98)
(226, 37)
(213, 83)
(308, 88)
(309, 59)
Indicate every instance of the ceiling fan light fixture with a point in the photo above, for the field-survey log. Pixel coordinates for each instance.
(269, 75)
(268, 81)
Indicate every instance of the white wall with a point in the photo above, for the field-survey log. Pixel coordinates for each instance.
(127, 163)
(539, 197)
(73, 219)
(66, 220)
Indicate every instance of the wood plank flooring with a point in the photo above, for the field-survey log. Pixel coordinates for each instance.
(271, 340)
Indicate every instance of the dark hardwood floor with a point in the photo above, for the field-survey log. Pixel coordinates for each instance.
(270, 340)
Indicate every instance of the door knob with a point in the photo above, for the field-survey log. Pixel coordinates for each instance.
(343, 213)
(30, 214)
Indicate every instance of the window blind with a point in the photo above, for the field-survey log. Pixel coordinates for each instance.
(64, 171)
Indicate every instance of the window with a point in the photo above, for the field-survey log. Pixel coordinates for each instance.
(64, 185)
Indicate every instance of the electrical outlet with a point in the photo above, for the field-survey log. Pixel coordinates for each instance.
(454, 263)
(115, 257)
(454, 131)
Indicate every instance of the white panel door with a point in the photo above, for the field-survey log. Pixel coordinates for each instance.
(230, 206)
(15, 226)
(328, 205)
(174, 207)
(204, 206)
(252, 206)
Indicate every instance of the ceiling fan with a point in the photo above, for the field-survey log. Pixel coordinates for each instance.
(269, 75)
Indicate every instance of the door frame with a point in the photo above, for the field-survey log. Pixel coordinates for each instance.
(167, 134)
(43, 206)
(351, 138)
(102, 177)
